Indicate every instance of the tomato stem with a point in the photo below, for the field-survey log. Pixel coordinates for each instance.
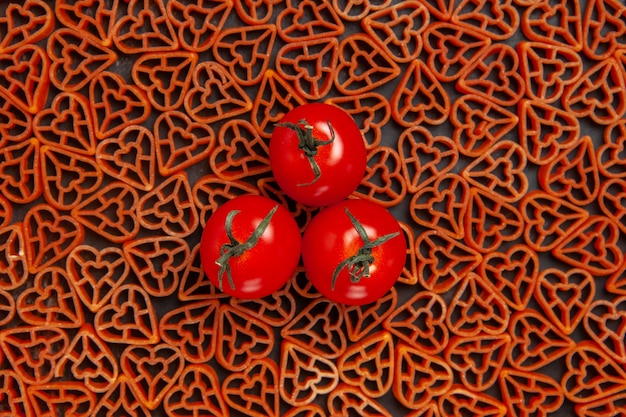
(309, 144)
(358, 266)
(235, 248)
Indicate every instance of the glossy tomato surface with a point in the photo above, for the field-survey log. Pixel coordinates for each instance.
(336, 256)
(325, 168)
(257, 267)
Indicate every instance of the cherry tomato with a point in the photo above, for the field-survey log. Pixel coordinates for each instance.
(317, 154)
(353, 252)
(250, 246)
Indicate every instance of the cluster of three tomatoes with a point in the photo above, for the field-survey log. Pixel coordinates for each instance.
(353, 250)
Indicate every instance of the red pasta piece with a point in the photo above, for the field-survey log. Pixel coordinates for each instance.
(384, 167)
(115, 105)
(96, 21)
(193, 329)
(76, 58)
(180, 401)
(604, 28)
(241, 339)
(490, 222)
(535, 341)
(308, 20)
(539, 25)
(479, 359)
(369, 364)
(419, 98)
(169, 208)
(595, 246)
(565, 296)
(49, 236)
(128, 318)
(120, 399)
(318, 327)
(240, 152)
(345, 399)
(548, 69)
(70, 398)
(6, 213)
(458, 400)
(500, 171)
(158, 263)
(130, 156)
(94, 212)
(549, 220)
(530, 393)
(165, 77)
(245, 51)
(297, 385)
(13, 263)
(475, 308)
(96, 274)
(361, 320)
(255, 12)
(419, 378)
(605, 83)
(15, 400)
(25, 23)
(442, 205)
(512, 273)
(546, 131)
(363, 66)
(310, 65)
(425, 157)
(210, 191)
(496, 19)
(51, 300)
(24, 77)
(308, 410)
(90, 360)
(604, 321)
(214, 94)
(276, 97)
(443, 261)
(151, 371)
(198, 24)
(494, 76)
(255, 391)
(145, 27)
(407, 19)
(451, 48)
(479, 124)
(78, 136)
(67, 177)
(33, 351)
(420, 322)
(591, 374)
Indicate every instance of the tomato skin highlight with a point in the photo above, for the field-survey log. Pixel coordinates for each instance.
(331, 238)
(262, 269)
(341, 163)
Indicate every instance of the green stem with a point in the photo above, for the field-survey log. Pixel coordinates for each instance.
(234, 248)
(358, 266)
(309, 144)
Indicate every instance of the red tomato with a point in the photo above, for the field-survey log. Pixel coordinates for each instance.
(353, 252)
(317, 154)
(250, 246)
